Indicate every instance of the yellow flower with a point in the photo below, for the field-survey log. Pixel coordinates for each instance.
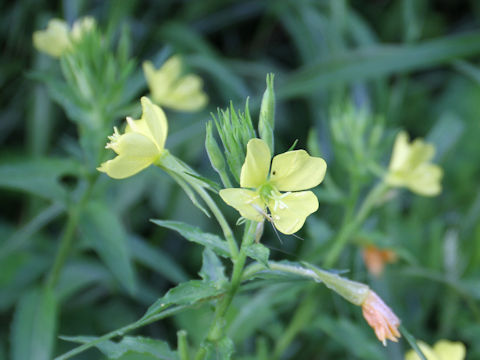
(381, 318)
(442, 350)
(291, 172)
(141, 145)
(170, 88)
(57, 38)
(410, 167)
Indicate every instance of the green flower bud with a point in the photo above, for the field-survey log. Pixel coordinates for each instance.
(266, 122)
(213, 150)
(352, 291)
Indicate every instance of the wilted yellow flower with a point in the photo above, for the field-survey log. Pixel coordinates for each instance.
(381, 318)
(442, 350)
(57, 38)
(291, 172)
(171, 88)
(141, 145)
(410, 166)
(375, 259)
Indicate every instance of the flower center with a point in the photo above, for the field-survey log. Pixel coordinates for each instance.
(269, 193)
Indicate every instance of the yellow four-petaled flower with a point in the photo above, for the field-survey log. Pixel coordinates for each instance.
(140, 146)
(172, 89)
(411, 167)
(262, 186)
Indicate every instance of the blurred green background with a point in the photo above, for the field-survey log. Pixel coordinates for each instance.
(412, 64)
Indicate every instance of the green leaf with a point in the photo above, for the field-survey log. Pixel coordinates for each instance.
(187, 293)
(106, 234)
(196, 235)
(376, 61)
(258, 252)
(39, 177)
(130, 347)
(34, 326)
(212, 267)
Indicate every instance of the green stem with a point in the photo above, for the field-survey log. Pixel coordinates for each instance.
(227, 231)
(67, 237)
(182, 345)
(216, 331)
(345, 233)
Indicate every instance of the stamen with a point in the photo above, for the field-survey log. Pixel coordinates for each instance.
(113, 138)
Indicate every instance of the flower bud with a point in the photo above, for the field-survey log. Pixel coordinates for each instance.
(266, 121)
(213, 150)
(352, 291)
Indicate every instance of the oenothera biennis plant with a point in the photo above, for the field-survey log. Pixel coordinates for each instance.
(277, 187)
(274, 189)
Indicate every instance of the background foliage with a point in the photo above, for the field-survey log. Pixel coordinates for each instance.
(408, 64)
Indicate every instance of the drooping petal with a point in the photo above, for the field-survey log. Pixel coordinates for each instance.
(290, 212)
(257, 162)
(426, 180)
(134, 145)
(426, 350)
(156, 121)
(449, 350)
(401, 151)
(124, 166)
(246, 202)
(296, 170)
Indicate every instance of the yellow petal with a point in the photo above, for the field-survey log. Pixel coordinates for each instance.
(426, 350)
(449, 350)
(54, 40)
(187, 94)
(426, 180)
(138, 126)
(290, 214)
(156, 121)
(156, 80)
(420, 152)
(257, 162)
(124, 166)
(172, 67)
(296, 170)
(134, 145)
(401, 151)
(246, 202)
